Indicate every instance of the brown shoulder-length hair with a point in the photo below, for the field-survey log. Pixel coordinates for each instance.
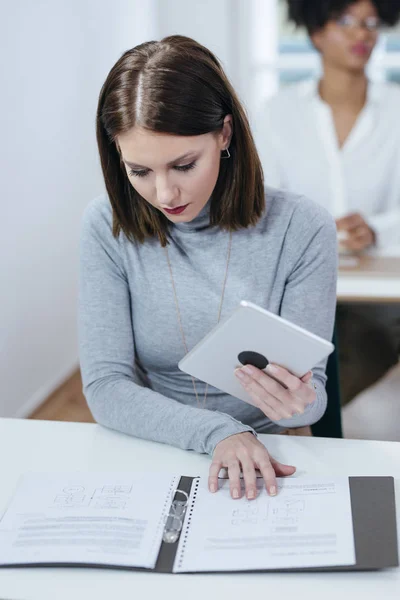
(176, 86)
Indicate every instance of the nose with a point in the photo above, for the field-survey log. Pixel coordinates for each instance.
(363, 34)
(167, 193)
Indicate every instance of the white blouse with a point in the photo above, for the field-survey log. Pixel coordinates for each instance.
(298, 146)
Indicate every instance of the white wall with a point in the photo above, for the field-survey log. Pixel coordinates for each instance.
(242, 33)
(213, 23)
(55, 55)
(207, 21)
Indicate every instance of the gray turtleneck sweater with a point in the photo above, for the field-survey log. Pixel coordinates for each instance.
(130, 342)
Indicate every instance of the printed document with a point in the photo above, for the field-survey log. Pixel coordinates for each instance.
(308, 524)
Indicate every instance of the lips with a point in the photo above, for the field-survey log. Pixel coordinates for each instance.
(176, 211)
(360, 49)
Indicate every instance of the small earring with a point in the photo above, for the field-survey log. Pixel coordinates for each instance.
(227, 155)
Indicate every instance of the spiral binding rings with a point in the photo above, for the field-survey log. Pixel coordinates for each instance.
(185, 534)
(174, 519)
(167, 502)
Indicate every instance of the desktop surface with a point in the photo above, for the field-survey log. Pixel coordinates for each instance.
(37, 446)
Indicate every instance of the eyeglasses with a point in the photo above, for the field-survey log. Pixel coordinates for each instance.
(350, 23)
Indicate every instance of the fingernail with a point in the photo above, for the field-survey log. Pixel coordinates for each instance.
(272, 369)
(235, 493)
(250, 494)
(239, 374)
(248, 369)
(213, 488)
(272, 491)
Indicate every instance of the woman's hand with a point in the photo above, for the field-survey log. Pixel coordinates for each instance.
(359, 233)
(243, 452)
(277, 401)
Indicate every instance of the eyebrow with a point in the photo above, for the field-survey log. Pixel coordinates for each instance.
(172, 162)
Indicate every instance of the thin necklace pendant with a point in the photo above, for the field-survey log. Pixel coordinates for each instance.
(179, 312)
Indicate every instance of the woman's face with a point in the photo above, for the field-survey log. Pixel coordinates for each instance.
(348, 42)
(175, 174)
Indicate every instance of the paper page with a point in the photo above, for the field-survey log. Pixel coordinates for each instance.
(308, 524)
(93, 518)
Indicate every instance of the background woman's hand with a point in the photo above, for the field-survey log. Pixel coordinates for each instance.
(244, 453)
(277, 401)
(359, 234)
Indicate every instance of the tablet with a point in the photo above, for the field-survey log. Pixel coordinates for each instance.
(252, 335)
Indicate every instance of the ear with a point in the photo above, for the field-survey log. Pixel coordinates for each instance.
(226, 132)
(317, 39)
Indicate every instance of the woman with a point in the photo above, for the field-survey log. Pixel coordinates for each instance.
(337, 140)
(185, 233)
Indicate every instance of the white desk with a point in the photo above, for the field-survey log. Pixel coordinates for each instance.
(44, 445)
(376, 278)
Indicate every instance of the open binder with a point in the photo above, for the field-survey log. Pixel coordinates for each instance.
(373, 517)
(374, 526)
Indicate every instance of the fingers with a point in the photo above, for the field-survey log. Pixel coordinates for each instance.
(256, 380)
(298, 387)
(268, 473)
(360, 235)
(277, 400)
(355, 245)
(244, 453)
(234, 479)
(233, 474)
(291, 381)
(300, 395)
(349, 222)
(270, 405)
(215, 468)
(269, 468)
(249, 476)
(292, 404)
(360, 239)
(282, 470)
(307, 377)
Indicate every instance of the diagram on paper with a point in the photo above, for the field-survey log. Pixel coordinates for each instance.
(250, 512)
(106, 497)
(287, 514)
(281, 514)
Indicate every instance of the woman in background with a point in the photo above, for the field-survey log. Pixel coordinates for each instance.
(337, 140)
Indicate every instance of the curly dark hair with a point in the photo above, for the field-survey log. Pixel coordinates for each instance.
(314, 14)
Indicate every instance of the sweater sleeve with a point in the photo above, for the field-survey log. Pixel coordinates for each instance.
(113, 392)
(310, 293)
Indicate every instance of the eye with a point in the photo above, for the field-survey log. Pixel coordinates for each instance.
(346, 21)
(184, 168)
(372, 23)
(138, 173)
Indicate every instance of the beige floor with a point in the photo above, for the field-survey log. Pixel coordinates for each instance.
(373, 414)
(66, 404)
